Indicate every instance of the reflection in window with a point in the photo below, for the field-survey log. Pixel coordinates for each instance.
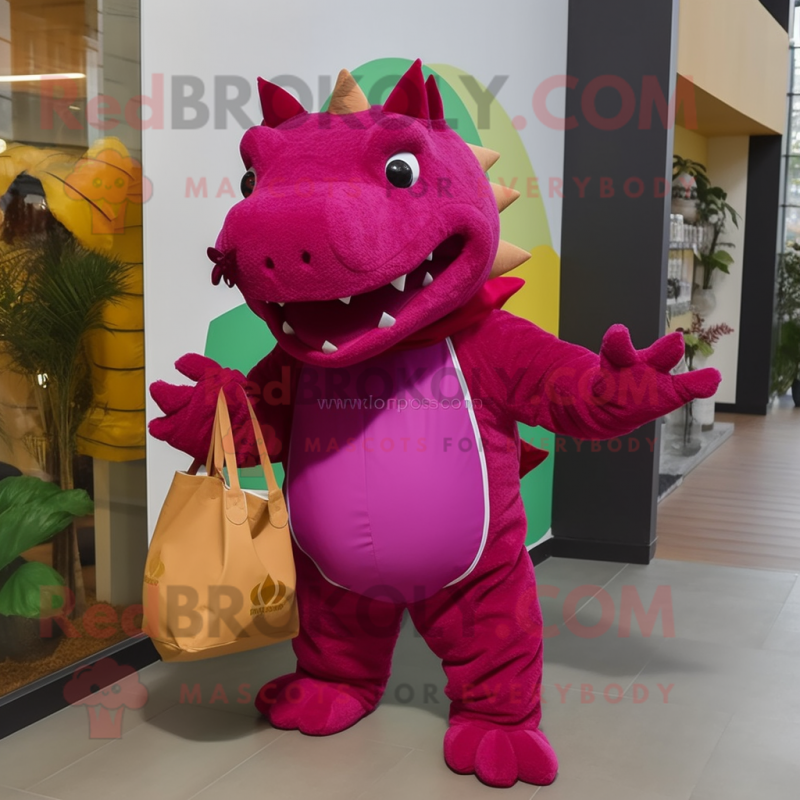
(72, 426)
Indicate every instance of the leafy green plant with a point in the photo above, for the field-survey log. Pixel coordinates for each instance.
(696, 171)
(32, 511)
(53, 295)
(713, 210)
(786, 361)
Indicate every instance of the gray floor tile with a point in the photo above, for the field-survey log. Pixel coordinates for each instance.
(709, 603)
(761, 585)
(705, 615)
(789, 618)
(563, 576)
(652, 747)
(229, 683)
(727, 679)
(728, 729)
(297, 766)
(170, 757)
(585, 785)
(622, 611)
(412, 650)
(65, 737)
(7, 793)
(756, 757)
(578, 656)
(724, 619)
(783, 641)
(568, 573)
(794, 597)
(423, 774)
(404, 726)
(418, 687)
(785, 634)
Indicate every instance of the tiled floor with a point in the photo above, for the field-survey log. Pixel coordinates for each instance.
(708, 711)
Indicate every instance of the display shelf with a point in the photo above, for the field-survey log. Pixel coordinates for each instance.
(685, 246)
(680, 276)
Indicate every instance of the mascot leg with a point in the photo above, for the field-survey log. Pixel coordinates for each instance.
(344, 657)
(487, 630)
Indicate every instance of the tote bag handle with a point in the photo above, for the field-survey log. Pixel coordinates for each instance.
(222, 451)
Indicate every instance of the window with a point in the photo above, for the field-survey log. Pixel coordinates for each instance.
(73, 534)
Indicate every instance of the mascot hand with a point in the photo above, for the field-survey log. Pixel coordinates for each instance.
(189, 410)
(638, 384)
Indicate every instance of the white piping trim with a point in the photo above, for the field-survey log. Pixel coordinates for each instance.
(484, 472)
(548, 535)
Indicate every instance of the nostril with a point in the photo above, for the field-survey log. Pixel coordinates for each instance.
(270, 263)
(306, 257)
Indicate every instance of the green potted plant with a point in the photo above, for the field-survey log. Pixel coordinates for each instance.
(53, 295)
(688, 180)
(714, 210)
(786, 360)
(711, 210)
(31, 512)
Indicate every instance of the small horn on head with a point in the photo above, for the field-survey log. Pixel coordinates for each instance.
(277, 105)
(435, 105)
(409, 97)
(508, 257)
(347, 97)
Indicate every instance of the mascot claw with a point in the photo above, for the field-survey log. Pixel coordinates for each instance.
(314, 707)
(499, 757)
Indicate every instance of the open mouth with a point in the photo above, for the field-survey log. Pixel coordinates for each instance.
(329, 325)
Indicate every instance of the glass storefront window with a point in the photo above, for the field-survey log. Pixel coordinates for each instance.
(791, 191)
(73, 532)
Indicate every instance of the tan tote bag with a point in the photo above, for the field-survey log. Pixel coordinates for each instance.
(220, 575)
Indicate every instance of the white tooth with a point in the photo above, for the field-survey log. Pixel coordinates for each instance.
(429, 257)
(281, 304)
(428, 279)
(287, 328)
(345, 300)
(400, 283)
(327, 347)
(386, 321)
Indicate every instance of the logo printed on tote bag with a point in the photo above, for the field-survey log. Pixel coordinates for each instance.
(268, 596)
(155, 569)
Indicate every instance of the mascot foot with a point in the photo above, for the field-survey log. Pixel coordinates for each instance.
(316, 708)
(500, 757)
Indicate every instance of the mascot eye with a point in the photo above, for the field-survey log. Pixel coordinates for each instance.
(402, 170)
(248, 183)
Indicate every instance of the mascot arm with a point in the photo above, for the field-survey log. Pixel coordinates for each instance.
(572, 391)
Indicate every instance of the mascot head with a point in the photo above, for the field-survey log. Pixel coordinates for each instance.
(362, 224)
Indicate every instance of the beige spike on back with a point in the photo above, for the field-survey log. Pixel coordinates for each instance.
(347, 97)
(508, 257)
(503, 195)
(486, 157)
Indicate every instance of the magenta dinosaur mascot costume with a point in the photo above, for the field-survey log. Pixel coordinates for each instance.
(368, 242)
